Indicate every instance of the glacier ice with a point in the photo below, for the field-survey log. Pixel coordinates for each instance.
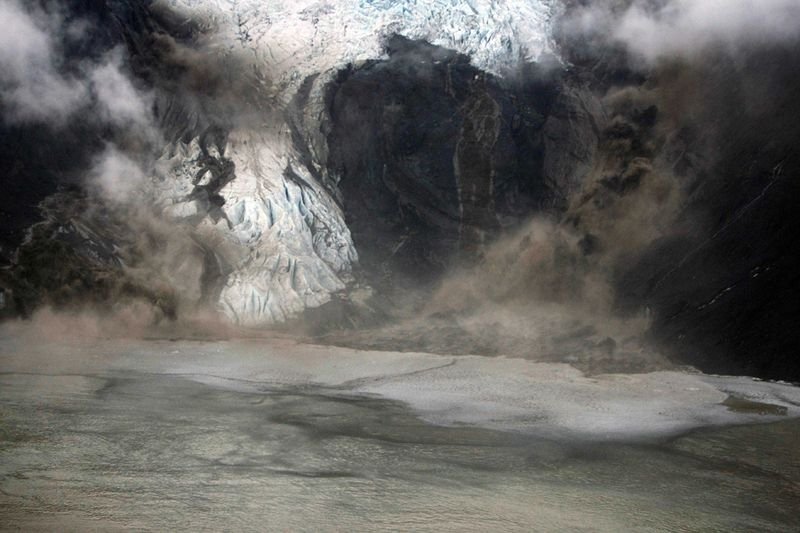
(308, 36)
(284, 241)
(283, 238)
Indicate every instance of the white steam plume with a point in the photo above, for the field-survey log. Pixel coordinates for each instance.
(685, 28)
(116, 176)
(120, 103)
(31, 87)
(36, 87)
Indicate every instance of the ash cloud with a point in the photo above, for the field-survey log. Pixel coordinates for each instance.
(122, 82)
(61, 76)
(683, 27)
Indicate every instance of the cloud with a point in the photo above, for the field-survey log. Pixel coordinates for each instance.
(36, 86)
(682, 27)
(685, 28)
(32, 89)
(116, 176)
(119, 101)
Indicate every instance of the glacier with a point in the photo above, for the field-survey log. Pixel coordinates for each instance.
(284, 240)
(306, 36)
(281, 238)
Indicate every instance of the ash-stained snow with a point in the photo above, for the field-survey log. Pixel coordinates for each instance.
(135, 435)
(539, 399)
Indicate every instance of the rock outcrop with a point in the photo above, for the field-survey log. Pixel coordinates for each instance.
(433, 157)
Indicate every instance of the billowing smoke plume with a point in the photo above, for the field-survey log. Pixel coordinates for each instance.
(119, 102)
(49, 83)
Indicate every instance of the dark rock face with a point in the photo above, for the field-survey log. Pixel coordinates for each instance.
(723, 290)
(719, 284)
(74, 259)
(37, 166)
(433, 157)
